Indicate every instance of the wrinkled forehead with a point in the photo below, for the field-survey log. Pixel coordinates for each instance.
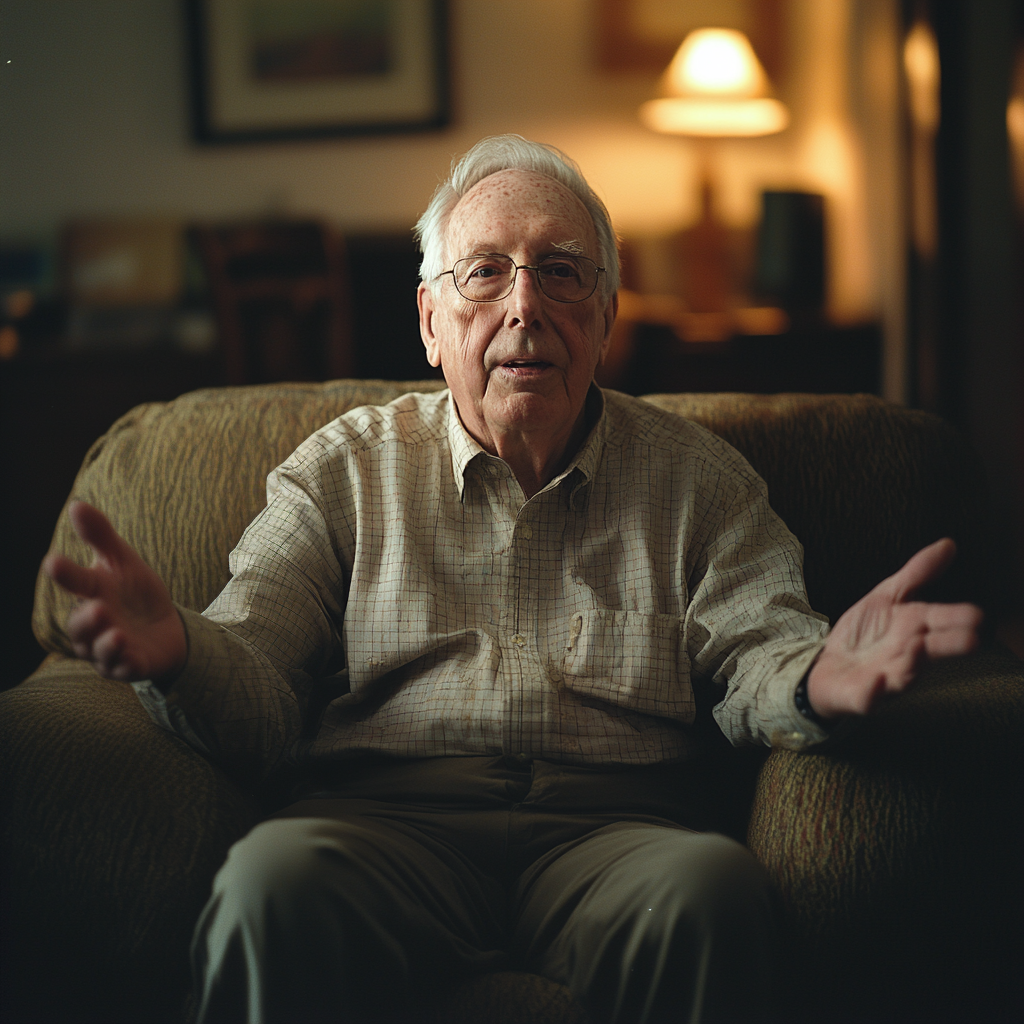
(515, 205)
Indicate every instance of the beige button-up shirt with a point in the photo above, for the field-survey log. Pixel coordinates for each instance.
(400, 595)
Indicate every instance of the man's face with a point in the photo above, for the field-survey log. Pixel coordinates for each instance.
(522, 364)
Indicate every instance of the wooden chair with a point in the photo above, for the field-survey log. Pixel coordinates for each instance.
(280, 291)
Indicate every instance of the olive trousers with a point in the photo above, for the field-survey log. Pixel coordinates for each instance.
(390, 880)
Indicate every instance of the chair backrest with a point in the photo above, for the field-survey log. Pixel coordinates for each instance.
(862, 484)
(280, 292)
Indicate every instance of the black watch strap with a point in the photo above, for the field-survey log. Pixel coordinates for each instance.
(803, 704)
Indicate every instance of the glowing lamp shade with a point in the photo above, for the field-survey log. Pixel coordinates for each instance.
(712, 118)
(715, 87)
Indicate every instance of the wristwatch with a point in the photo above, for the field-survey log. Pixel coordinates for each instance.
(803, 704)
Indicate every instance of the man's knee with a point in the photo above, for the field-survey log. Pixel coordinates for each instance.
(292, 929)
(672, 920)
(715, 878)
(675, 875)
(288, 863)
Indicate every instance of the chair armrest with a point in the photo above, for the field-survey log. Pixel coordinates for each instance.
(895, 846)
(112, 832)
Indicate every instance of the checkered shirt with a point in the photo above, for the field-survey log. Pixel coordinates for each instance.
(399, 595)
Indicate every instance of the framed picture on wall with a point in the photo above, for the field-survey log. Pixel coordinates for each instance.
(298, 69)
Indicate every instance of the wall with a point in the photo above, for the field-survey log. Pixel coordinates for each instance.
(93, 121)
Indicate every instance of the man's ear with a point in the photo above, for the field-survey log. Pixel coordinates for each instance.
(611, 311)
(425, 304)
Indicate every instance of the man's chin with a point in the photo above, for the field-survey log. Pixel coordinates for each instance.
(532, 408)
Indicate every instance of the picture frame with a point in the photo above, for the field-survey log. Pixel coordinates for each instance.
(279, 70)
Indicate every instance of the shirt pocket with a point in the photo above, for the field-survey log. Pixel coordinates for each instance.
(630, 660)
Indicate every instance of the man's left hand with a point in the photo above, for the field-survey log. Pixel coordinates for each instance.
(880, 644)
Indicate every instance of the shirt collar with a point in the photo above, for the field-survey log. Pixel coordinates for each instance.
(464, 448)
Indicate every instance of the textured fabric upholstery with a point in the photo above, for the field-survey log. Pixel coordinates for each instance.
(863, 485)
(896, 849)
(112, 830)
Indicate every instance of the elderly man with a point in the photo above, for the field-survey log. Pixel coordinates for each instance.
(470, 621)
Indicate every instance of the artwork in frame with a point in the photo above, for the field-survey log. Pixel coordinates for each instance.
(298, 69)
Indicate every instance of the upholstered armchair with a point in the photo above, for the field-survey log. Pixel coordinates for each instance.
(895, 846)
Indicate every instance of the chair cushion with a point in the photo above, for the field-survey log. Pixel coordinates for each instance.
(110, 833)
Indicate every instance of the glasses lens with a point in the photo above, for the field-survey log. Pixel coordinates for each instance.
(567, 278)
(489, 278)
(484, 278)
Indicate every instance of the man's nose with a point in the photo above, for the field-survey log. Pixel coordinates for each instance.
(523, 304)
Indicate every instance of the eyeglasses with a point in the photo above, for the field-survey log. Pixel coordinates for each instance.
(491, 277)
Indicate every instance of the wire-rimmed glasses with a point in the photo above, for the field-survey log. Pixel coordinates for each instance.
(492, 276)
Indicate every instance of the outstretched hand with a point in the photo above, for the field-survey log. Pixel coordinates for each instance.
(878, 646)
(126, 624)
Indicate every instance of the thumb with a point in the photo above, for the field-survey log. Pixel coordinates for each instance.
(94, 528)
(72, 577)
(925, 567)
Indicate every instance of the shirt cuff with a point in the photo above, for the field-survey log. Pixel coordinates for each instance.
(792, 729)
(206, 646)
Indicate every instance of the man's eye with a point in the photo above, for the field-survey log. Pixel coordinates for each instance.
(481, 270)
(563, 269)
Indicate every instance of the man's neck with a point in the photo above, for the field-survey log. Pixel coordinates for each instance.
(534, 463)
(535, 457)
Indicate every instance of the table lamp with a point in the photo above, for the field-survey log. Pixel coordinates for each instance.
(715, 87)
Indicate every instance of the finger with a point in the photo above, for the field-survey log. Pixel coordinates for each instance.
(86, 622)
(953, 616)
(904, 668)
(950, 643)
(74, 578)
(107, 654)
(94, 528)
(926, 566)
(953, 630)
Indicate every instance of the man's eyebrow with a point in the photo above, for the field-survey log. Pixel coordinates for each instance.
(572, 247)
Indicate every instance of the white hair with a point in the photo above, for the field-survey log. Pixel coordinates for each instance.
(505, 153)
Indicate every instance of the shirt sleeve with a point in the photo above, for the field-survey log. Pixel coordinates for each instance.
(271, 638)
(749, 627)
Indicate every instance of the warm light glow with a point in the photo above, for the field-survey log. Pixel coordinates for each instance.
(921, 62)
(715, 87)
(1015, 130)
(1015, 120)
(715, 118)
(715, 62)
(921, 65)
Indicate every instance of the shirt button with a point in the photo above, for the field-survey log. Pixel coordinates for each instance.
(492, 470)
(526, 531)
(519, 640)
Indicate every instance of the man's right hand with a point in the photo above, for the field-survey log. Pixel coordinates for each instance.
(126, 624)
